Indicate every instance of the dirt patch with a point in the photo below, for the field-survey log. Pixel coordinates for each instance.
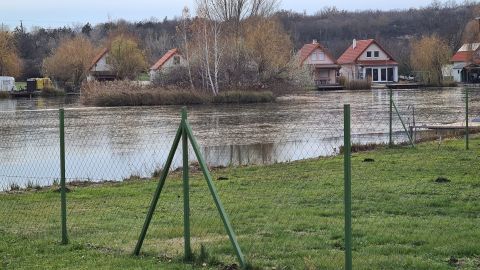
(442, 180)
(231, 267)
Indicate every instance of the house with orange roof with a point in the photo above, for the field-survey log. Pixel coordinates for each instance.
(367, 59)
(173, 58)
(466, 64)
(324, 66)
(100, 70)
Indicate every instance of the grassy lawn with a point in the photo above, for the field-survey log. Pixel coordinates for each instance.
(143, 77)
(287, 216)
(21, 85)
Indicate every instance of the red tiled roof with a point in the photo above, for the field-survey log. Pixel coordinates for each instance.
(462, 57)
(98, 57)
(308, 49)
(164, 59)
(351, 55)
(376, 62)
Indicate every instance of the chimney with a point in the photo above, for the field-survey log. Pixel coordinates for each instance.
(354, 44)
(314, 41)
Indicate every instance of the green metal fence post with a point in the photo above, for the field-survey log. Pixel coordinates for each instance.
(409, 136)
(159, 189)
(63, 190)
(216, 198)
(467, 131)
(348, 187)
(186, 188)
(390, 117)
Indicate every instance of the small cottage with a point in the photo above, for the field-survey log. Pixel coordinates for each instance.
(367, 59)
(324, 66)
(100, 70)
(466, 64)
(170, 60)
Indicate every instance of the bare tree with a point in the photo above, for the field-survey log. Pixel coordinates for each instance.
(10, 64)
(185, 19)
(428, 56)
(70, 61)
(212, 51)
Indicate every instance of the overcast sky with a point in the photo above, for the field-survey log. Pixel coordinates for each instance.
(54, 13)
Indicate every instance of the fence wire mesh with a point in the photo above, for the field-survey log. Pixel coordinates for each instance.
(288, 214)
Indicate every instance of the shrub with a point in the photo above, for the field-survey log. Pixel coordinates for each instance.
(355, 84)
(51, 92)
(244, 97)
(177, 76)
(124, 93)
(449, 83)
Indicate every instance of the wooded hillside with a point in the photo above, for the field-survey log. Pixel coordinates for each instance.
(332, 27)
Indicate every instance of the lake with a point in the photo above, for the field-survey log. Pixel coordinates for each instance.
(116, 143)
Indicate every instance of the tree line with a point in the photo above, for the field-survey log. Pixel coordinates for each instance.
(236, 42)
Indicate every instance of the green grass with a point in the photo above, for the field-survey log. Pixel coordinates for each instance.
(287, 216)
(21, 85)
(143, 77)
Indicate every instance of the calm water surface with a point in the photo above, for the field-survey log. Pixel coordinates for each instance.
(115, 143)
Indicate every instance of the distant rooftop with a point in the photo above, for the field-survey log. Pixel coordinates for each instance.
(468, 47)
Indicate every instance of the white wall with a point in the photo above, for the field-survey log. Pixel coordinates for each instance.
(311, 60)
(372, 48)
(7, 83)
(102, 64)
(167, 65)
(457, 74)
(348, 71)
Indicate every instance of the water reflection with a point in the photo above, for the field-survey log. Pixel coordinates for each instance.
(114, 143)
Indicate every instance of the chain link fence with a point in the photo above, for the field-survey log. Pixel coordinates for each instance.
(277, 168)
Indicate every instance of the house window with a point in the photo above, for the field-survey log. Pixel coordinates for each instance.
(376, 54)
(375, 75)
(390, 76)
(176, 60)
(384, 74)
(321, 56)
(318, 56)
(368, 73)
(369, 54)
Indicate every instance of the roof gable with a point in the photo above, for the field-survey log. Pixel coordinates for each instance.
(351, 55)
(98, 57)
(469, 52)
(164, 59)
(308, 49)
(469, 47)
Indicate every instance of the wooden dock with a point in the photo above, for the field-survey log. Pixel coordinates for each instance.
(328, 87)
(453, 126)
(24, 93)
(404, 85)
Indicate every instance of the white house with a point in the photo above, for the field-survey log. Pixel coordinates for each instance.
(173, 58)
(324, 66)
(7, 83)
(100, 70)
(466, 64)
(368, 59)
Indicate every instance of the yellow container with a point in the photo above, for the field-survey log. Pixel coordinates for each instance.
(39, 83)
(44, 83)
